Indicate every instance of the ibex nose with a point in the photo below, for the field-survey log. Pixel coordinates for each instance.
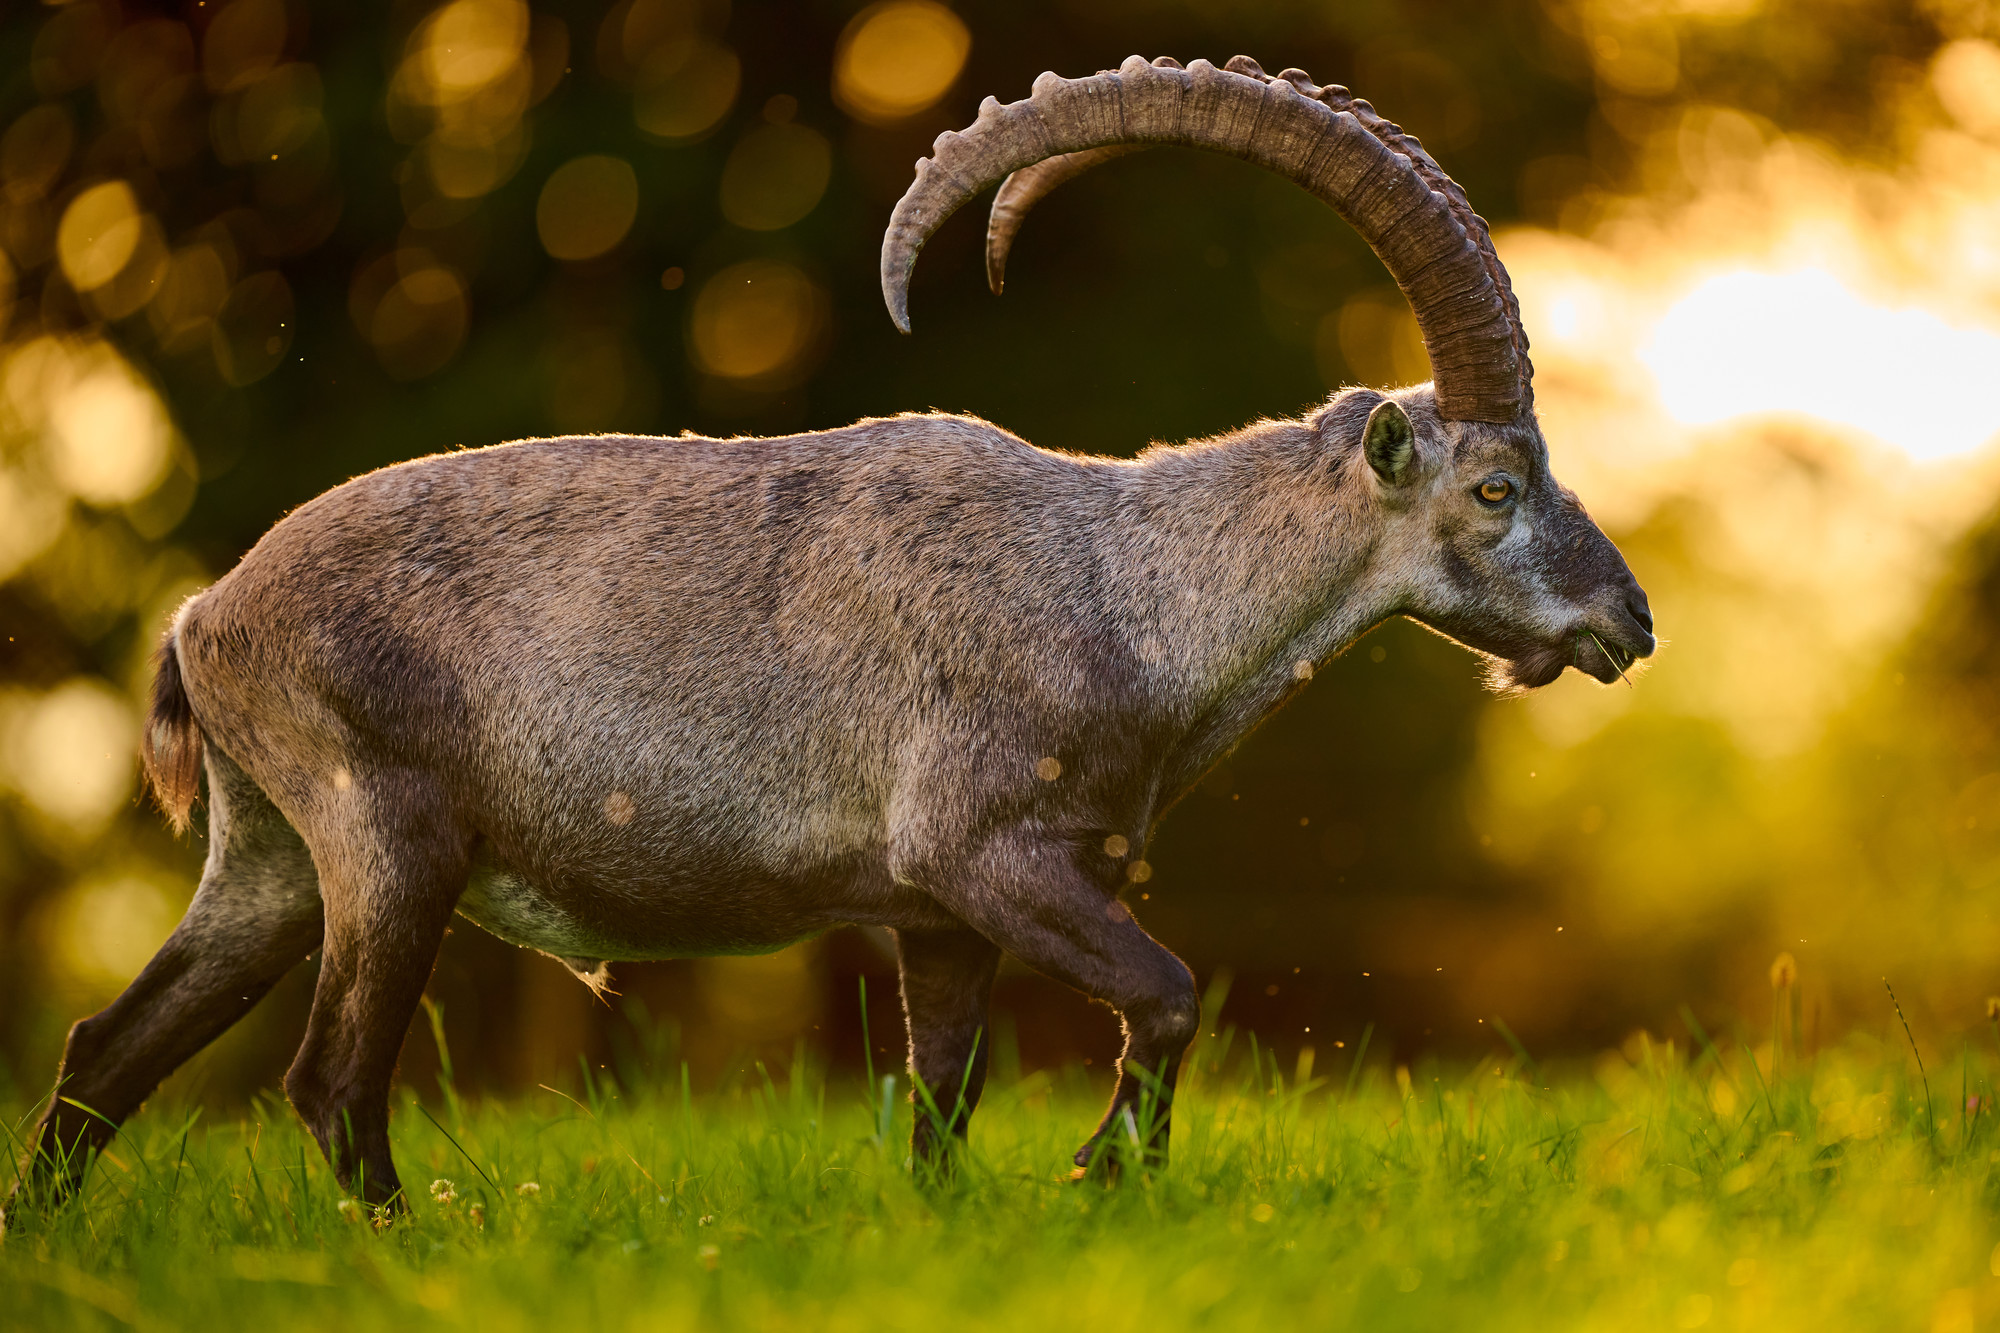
(1636, 604)
(1641, 612)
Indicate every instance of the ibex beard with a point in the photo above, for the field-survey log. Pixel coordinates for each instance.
(626, 698)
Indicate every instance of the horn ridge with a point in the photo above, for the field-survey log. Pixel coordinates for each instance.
(1476, 229)
(1378, 178)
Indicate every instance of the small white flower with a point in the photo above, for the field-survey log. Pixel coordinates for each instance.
(528, 1189)
(443, 1191)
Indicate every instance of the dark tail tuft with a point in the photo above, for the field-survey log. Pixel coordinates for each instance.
(171, 748)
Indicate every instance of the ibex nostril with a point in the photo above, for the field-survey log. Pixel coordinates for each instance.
(1640, 612)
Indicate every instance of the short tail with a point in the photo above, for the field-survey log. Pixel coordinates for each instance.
(171, 747)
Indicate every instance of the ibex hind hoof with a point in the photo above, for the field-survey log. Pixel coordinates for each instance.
(1099, 1163)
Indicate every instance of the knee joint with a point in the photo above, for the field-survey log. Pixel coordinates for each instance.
(82, 1042)
(1176, 1020)
(308, 1097)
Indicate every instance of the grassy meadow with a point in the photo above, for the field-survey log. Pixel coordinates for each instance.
(1669, 1185)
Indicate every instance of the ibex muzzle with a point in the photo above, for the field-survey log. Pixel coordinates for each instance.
(619, 698)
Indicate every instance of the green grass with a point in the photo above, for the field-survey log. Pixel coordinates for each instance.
(1651, 1190)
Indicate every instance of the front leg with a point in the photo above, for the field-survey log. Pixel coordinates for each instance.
(947, 981)
(1034, 896)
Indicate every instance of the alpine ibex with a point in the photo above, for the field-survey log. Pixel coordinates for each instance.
(625, 698)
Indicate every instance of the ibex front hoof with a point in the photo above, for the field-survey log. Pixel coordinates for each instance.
(1097, 1161)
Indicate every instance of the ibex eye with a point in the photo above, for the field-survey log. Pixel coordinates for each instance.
(1496, 490)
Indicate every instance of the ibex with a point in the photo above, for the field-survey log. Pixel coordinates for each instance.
(627, 698)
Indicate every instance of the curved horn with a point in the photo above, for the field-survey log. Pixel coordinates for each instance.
(1028, 187)
(1392, 193)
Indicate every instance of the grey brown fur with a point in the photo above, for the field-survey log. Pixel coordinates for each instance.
(620, 698)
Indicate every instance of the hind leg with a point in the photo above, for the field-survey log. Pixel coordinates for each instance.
(256, 914)
(947, 982)
(392, 868)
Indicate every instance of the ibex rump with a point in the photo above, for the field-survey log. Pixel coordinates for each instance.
(620, 698)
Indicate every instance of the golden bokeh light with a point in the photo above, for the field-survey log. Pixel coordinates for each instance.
(1966, 74)
(637, 32)
(99, 231)
(108, 440)
(1372, 339)
(35, 149)
(31, 517)
(245, 39)
(1634, 48)
(467, 78)
(471, 89)
(756, 320)
(103, 433)
(105, 929)
(586, 206)
(420, 322)
(468, 171)
(192, 289)
(138, 279)
(69, 752)
(775, 176)
(681, 93)
(897, 59)
(470, 43)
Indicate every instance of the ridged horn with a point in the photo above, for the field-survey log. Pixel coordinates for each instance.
(1028, 187)
(1380, 180)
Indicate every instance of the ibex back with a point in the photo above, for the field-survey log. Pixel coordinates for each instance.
(620, 698)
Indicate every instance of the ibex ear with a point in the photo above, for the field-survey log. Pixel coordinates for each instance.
(1389, 441)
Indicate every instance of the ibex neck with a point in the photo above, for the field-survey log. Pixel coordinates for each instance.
(1245, 562)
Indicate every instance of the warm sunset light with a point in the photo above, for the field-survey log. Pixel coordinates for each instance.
(1747, 343)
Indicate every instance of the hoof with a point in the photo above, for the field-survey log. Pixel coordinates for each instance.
(1099, 1162)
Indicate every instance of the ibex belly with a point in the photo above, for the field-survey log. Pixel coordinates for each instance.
(506, 905)
(677, 915)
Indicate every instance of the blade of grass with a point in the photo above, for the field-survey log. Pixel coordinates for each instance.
(1930, 1113)
(461, 1150)
(1354, 1069)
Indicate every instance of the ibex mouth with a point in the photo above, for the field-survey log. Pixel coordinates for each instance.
(1600, 658)
(1603, 659)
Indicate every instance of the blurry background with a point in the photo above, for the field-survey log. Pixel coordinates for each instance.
(250, 248)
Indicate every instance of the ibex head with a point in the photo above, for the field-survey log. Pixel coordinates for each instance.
(1476, 537)
(1485, 546)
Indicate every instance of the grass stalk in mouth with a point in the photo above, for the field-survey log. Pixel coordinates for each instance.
(1609, 658)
